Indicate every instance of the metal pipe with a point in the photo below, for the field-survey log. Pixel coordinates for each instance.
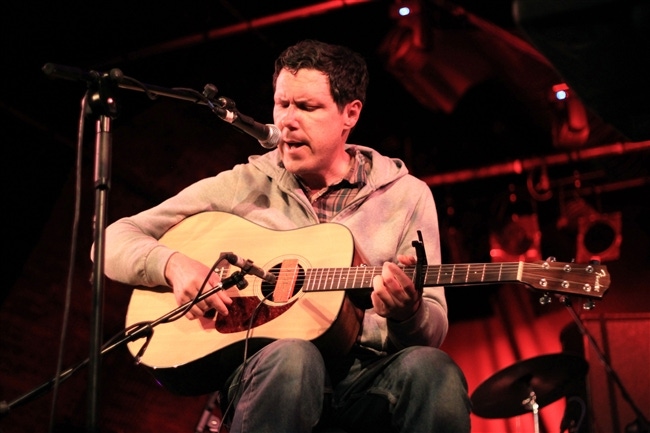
(244, 26)
(519, 166)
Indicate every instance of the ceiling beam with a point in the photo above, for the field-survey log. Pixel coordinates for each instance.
(238, 28)
(519, 166)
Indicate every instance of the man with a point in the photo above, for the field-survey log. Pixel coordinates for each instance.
(393, 378)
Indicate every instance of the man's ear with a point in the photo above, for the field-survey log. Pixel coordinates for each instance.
(352, 112)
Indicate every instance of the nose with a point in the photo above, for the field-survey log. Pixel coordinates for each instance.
(289, 116)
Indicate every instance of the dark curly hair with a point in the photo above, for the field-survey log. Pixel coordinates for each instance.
(346, 69)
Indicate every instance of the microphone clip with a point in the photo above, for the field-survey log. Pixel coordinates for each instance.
(249, 268)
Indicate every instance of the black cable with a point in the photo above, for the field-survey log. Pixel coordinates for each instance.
(71, 268)
(228, 408)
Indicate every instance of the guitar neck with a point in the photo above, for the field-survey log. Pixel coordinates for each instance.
(325, 279)
(587, 280)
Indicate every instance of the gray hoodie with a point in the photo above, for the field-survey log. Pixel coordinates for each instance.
(383, 221)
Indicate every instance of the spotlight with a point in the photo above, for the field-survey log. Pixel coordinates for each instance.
(561, 91)
(412, 24)
(599, 237)
(570, 124)
(404, 8)
(404, 11)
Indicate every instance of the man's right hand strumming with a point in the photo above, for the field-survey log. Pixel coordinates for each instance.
(186, 276)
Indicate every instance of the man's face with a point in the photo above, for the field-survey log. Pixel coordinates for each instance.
(314, 130)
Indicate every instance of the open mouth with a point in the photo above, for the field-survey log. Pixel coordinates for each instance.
(294, 144)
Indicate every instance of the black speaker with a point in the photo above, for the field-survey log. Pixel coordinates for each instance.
(601, 49)
(624, 340)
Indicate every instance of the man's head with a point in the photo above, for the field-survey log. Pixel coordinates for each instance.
(347, 70)
(318, 96)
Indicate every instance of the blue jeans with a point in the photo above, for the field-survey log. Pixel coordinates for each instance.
(286, 388)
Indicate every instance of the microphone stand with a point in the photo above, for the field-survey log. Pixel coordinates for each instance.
(101, 98)
(103, 102)
(225, 108)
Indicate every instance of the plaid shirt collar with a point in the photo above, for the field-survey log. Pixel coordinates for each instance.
(330, 200)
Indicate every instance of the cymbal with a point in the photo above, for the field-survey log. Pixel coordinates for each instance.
(502, 395)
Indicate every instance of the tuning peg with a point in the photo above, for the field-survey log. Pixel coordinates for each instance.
(551, 259)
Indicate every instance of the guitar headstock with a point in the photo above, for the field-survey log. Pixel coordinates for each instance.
(586, 280)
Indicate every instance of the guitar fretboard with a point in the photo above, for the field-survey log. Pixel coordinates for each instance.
(324, 279)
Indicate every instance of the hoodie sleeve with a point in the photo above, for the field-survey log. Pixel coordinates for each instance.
(133, 253)
(429, 325)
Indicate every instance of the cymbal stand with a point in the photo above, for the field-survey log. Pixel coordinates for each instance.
(531, 403)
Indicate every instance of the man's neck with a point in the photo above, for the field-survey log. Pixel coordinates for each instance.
(338, 170)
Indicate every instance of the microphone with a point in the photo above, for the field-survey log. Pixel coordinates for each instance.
(268, 135)
(248, 267)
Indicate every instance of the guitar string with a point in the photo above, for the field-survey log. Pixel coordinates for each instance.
(445, 274)
(316, 279)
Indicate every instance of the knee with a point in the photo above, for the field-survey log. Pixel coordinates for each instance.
(439, 385)
(292, 351)
(431, 366)
(293, 358)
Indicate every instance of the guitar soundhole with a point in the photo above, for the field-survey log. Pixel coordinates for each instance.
(252, 311)
(291, 278)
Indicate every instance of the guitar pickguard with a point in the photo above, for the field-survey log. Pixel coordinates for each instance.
(243, 309)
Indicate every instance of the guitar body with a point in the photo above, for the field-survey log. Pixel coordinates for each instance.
(192, 357)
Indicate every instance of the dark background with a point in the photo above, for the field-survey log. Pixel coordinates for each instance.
(461, 93)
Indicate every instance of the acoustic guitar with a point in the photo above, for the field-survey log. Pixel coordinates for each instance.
(309, 299)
